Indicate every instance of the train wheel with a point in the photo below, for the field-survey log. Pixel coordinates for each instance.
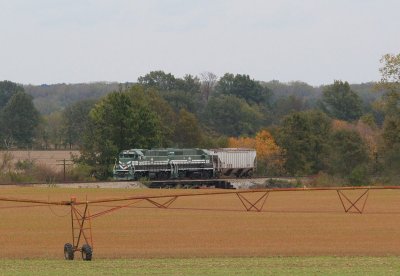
(87, 252)
(68, 251)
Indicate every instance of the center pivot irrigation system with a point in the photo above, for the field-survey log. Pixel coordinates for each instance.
(81, 217)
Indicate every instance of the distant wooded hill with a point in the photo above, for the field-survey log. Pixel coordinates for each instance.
(55, 97)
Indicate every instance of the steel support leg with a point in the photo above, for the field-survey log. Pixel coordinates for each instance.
(81, 227)
(352, 205)
(253, 206)
(164, 205)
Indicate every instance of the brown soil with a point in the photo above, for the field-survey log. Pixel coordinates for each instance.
(292, 223)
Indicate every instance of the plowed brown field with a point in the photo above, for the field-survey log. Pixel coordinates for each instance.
(292, 223)
(51, 158)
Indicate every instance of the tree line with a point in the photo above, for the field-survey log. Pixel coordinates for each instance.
(332, 132)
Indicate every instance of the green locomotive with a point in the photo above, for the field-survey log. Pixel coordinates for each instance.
(167, 163)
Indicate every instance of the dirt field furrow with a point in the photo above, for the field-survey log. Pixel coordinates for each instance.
(292, 224)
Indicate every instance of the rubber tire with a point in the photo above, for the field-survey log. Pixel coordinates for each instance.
(68, 251)
(87, 252)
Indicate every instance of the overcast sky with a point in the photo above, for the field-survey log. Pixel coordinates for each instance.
(316, 41)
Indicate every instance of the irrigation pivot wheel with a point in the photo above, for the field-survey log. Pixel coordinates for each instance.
(87, 252)
(68, 251)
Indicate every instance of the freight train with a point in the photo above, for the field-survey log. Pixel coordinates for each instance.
(171, 163)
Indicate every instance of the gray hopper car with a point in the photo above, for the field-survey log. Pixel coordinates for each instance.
(238, 162)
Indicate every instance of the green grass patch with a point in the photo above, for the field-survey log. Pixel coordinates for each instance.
(208, 266)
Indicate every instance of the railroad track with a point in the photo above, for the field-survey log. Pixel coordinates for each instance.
(223, 183)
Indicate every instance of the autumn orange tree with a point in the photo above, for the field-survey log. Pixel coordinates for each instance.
(269, 154)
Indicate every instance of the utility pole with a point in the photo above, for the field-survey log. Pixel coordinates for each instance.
(64, 164)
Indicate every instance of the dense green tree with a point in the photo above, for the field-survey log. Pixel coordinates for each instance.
(188, 133)
(243, 87)
(18, 121)
(116, 123)
(149, 133)
(114, 119)
(391, 146)
(340, 102)
(391, 132)
(161, 81)
(347, 156)
(167, 82)
(179, 99)
(191, 84)
(7, 90)
(232, 116)
(152, 99)
(303, 136)
(179, 93)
